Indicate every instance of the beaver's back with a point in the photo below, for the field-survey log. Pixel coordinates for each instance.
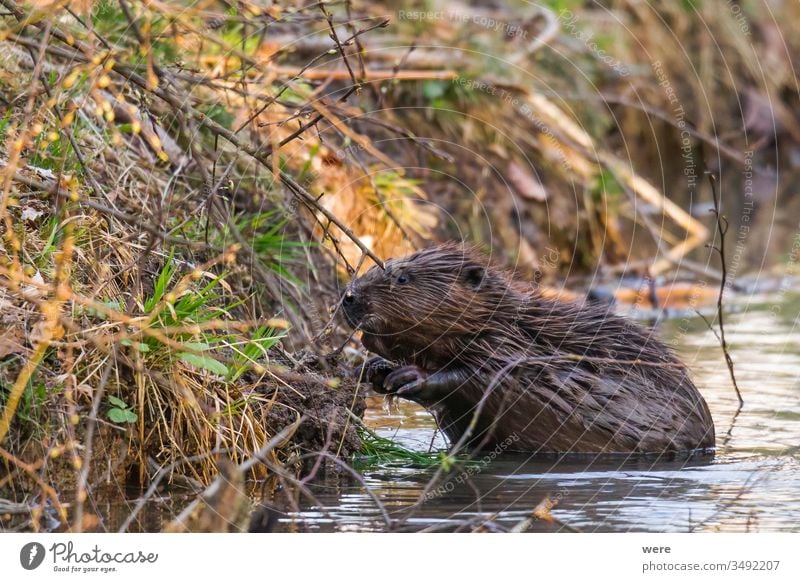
(549, 410)
(575, 377)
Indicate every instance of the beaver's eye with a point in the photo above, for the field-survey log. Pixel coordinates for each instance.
(402, 279)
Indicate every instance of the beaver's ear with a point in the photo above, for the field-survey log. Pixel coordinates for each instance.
(473, 276)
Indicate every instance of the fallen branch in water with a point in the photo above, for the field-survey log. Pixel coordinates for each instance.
(542, 513)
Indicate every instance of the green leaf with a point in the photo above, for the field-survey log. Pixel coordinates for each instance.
(117, 402)
(161, 284)
(139, 346)
(447, 461)
(122, 416)
(197, 346)
(433, 89)
(205, 362)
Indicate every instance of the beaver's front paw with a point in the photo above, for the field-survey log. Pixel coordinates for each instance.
(376, 370)
(408, 382)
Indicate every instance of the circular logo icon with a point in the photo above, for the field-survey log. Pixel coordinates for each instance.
(31, 555)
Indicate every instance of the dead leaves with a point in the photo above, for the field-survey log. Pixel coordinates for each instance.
(11, 342)
(526, 183)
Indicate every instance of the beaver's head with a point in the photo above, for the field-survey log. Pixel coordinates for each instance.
(436, 294)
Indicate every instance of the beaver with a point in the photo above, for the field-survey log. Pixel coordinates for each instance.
(497, 362)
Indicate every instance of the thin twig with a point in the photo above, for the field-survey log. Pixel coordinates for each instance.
(722, 228)
(88, 443)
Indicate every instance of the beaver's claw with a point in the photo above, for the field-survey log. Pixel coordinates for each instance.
(408, 381)
(376, 370)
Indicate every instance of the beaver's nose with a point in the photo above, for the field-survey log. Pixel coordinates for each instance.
(353, 307)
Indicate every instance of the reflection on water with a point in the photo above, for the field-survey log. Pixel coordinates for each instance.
(751, 484)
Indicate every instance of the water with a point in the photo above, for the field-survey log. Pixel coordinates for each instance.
(752, 483)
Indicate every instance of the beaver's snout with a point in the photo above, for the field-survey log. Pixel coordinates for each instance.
(354, 306)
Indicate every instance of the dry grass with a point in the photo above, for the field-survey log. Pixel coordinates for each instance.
(150, 267)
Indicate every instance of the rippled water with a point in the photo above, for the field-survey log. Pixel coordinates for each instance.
(752, 483)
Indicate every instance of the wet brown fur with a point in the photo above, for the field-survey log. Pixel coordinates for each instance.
(552, 376)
